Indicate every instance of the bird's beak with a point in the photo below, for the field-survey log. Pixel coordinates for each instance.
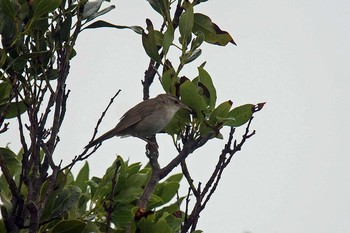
(184, 106)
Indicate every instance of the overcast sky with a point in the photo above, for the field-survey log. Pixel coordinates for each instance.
(293, 176)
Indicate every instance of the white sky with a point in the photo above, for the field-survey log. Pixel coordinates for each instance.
(293, 176)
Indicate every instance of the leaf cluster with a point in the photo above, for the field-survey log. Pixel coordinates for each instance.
(80, 204)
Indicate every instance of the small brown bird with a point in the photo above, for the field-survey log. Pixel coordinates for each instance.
(145, 119)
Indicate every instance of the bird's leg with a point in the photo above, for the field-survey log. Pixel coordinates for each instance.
(151, 141)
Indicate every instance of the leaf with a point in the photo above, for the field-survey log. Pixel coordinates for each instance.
(67, 200)
(178, 123)
(186, 22)
(8, 9)
(193, 56)
(162, 227)
(156, 5)
(41, 7)
(205, 80)
(91, 8)
(213, 34)
(11, 161)
(99, 13)
(92, 227)
(161, 6)
(158, 36)
(83, 177)
(69, 226)
(168, 38)
(175, 178)
(168, 81)
(149, 42)
(167, 191)
(11, 109)
(239, 115)
(2, 226)
(5, 90)
(104, 24)
(196, 42)
(66, 27)
(220, 111)
(191, 97)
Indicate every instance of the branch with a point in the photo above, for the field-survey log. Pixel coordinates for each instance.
(111, 207)
(215, 178)
(103, 115)
(84, 155)
(188, 148)
(188, 178)
(152, 154)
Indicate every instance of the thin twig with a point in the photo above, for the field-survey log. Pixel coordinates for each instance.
(84, 155)
(110, 207)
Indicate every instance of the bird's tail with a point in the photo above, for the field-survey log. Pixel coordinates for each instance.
(100, 139)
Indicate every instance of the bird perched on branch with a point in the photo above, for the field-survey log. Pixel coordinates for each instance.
(145, 119)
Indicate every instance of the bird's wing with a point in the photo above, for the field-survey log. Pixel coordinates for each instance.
(136, 114)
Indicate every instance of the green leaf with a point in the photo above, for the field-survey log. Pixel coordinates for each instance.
(11, 161)
(104, 24)
(133, 188)
(178, 123)
(168, 80)
(159, 37)
(220, 111)
(239, 115)
(99, 13)
(69, 226)
(186, 22)
(175, 178)
(92, 227)
(5, 90)
(167, 190)
(65, 27)
(168, 38)
(12, 108)
(2, 226)
(70, 203)
(194, 55)
(123, 215)
(149, 42)
(161, 6)
(8, 9)
(196, 42)
(146, 224)
(156, 5)
(191, 97)
(41, 7)
(162, 227)
(213, 34)
(154, 201)
(83, 177)
(133, 169)
(208, 89)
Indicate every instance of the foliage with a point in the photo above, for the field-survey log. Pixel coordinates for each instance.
(37, 194)
(81, 204)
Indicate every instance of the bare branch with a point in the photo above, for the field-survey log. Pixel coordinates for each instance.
(84, 155)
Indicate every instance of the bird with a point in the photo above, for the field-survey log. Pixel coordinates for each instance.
(144, 119)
